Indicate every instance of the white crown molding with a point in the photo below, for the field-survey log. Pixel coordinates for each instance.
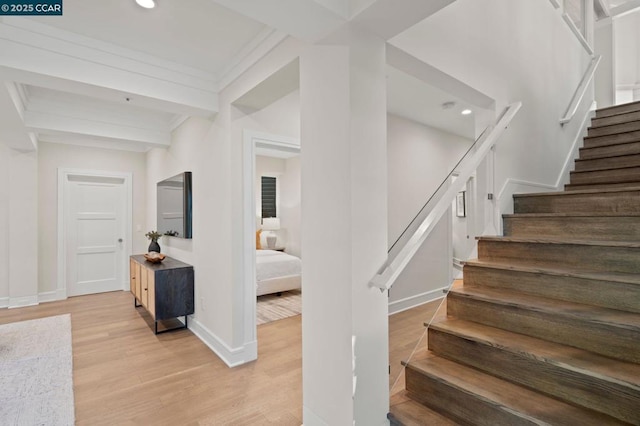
(261, 45)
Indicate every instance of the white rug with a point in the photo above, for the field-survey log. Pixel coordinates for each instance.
(36, 372)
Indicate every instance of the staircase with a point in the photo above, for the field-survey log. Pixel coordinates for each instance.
(546, 328)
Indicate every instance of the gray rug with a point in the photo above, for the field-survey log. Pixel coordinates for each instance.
(36, 372)
(272, 307)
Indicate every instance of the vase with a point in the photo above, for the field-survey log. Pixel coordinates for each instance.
(154, 246)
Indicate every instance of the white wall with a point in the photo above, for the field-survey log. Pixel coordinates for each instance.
(19, 227)
(291, 186)
(627, 56)
(287, 172)
(281, 118)
(4, 224)
(605, 77)
(53, 156)
(419, 158)
(512, 51)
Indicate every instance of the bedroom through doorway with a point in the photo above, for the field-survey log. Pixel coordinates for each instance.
(273, 214)
(277, 201)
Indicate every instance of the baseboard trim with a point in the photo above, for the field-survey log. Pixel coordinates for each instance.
(4, 302)
(20, 302)
(52, 296)
(233, 357)
(417, 300)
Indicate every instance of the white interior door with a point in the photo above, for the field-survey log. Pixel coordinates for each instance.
(95, 220)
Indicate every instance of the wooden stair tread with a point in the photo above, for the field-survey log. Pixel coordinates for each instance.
(407, 412)
(619, 372)
(599, 186)
(620, 117)
(605, 169)
(532, 406)
(562, 241)
(572, 214)
(632, 120)
(630, 188)
(559, 308)
(563, 272)
(614, 129)
(617, 109)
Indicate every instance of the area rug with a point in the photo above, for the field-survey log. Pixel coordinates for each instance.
(272, 307)
(36, 372)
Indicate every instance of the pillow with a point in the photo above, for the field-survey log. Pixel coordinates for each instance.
(258, 245)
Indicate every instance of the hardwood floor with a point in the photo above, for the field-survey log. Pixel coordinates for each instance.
(126, 375)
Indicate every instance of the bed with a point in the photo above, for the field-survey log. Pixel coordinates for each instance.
(277, 272)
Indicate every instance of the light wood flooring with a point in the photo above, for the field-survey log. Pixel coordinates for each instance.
(126, 375)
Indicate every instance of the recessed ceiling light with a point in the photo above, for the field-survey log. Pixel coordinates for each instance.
(466, 111)
(147, 4)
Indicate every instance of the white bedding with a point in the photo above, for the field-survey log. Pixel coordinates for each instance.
(274, 264)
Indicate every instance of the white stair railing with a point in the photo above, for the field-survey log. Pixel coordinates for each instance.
(423, 224)
(581, 90)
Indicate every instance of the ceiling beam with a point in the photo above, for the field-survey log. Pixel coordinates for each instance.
(55, 123)
(401, 60)
(13, 133)
(37, 52)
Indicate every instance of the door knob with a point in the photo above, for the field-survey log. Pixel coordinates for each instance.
(119, 240)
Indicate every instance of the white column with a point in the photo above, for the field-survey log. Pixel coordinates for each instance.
(344, 231)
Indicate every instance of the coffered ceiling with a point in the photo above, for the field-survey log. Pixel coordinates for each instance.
(112, 74)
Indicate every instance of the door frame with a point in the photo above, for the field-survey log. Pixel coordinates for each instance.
(63, 195)
(252, 138)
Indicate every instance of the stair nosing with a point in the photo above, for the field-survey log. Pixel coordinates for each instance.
(534, 351)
